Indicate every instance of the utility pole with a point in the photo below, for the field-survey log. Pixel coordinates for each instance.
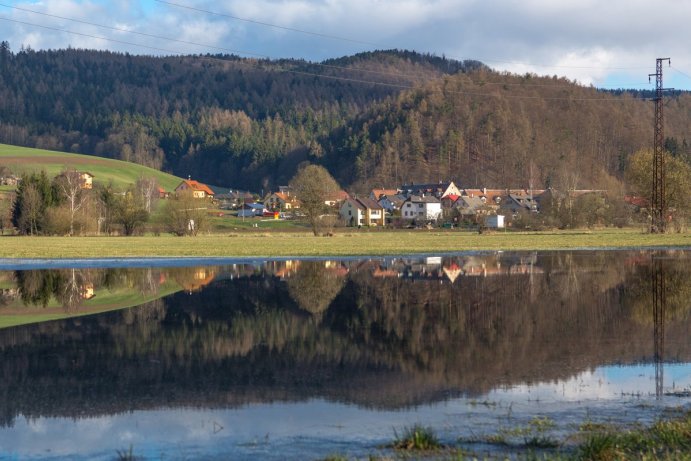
(658, 205)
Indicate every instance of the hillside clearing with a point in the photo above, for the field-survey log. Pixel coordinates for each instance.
(105, 170)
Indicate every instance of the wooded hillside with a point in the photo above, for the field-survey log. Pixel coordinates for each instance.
(377, 118)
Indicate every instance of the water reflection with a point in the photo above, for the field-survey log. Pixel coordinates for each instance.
(383, 334)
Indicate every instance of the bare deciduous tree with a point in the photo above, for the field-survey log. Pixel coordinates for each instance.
(70, 185)
(147, 188)
(313, 185)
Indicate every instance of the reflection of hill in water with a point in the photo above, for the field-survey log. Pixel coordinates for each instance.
(396, 333)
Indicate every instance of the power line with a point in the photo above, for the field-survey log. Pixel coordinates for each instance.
(332, 77)
(346, 39)
(202, 45)
(247, 53)
(267, 24)
(681, 72)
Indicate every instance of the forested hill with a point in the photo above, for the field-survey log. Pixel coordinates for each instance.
(222, 119)
(485, 129)
(374, 118)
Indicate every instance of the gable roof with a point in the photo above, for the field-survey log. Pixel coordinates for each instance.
(364, 203)
(338, 196)
(196, 186)
(377, 193)
(423, 199)
(369, 203)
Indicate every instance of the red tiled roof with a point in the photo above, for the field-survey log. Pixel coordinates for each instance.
(196, 185)
(377, 193)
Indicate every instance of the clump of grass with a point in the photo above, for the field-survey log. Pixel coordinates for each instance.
(541, 441)
(126, 455)
(418, 438)
(664, 440)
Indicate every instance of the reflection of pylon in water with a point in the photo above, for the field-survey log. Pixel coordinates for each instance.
(659, 308)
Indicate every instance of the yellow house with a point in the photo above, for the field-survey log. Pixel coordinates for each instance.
(87, 179)
(198, 189)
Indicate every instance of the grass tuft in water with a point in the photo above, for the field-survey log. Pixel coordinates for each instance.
(417, 438)
(126, 455)
(664, 440)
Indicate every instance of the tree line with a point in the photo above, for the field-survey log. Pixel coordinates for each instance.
(62, 205)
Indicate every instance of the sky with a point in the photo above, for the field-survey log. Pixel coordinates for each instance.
(609, 44)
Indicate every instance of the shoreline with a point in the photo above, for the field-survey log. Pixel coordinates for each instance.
(188, 261)
(365, 243)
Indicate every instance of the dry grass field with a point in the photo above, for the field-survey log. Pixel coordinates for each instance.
(302, 244)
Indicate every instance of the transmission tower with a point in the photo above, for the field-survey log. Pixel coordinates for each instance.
(658, 205)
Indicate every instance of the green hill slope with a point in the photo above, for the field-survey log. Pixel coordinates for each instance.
(23, 159)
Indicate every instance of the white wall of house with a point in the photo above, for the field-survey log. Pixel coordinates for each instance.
(351, 214)
(421, 210)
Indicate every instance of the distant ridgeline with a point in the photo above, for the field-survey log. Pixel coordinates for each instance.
(373, 119)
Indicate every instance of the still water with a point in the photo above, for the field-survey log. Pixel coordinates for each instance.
(304, 359)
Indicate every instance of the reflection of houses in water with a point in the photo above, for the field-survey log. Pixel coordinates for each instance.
(282, 269)
(198, 279)
(88, 291)
(336, 268)
(452, 271)
(452, 268)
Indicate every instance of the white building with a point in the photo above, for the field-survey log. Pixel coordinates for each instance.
(421, 208)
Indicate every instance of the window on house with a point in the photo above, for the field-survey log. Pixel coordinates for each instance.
(419, 205)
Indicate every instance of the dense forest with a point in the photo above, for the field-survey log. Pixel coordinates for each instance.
(377, 118)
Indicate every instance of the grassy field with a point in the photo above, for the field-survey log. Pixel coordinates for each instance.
(24, 159)
(260, 243)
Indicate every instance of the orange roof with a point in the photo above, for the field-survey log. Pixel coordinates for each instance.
(339, 196)
(196, 185)
(285, 197)
(377, 193)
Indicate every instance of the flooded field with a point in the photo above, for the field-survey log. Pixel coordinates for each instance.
(307, 359)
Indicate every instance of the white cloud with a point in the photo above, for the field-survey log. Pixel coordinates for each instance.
(585, 40)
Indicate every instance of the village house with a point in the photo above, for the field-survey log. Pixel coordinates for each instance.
(337, 198)
(391, 203)
(421, 208)
(87, 179)
(162, 193)
(232, 199)
(377, 194)
(361, 212)
(521, 200)
(438, 190)
(281, 201)
(199, 190)
(249, 210)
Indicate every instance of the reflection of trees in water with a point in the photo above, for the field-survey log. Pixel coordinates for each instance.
(638, 295)
(384, 341)
(315, 284)
(71, 287)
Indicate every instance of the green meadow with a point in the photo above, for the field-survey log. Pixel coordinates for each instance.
(105, 170)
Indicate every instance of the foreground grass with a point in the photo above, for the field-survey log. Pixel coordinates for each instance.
(357, 243)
